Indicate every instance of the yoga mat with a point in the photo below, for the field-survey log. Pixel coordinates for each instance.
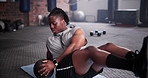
(29, 70)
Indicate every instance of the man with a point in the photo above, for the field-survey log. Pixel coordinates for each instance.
(65, 53)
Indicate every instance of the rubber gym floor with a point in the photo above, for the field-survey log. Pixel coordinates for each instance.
(26, 46)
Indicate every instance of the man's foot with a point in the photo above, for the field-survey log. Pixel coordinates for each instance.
(141, 59)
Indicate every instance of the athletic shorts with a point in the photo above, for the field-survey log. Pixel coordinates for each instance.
(65, 69)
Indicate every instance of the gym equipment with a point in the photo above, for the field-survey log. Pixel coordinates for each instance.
(37, 68)
(102, 16)
(98, 33)
(144, 13)
(51, 5)
(2, 25)
(29, 70)
(112, 7)
(79, 16)
(73, 5)
(18, 24)
(40, 18)
(71, 26)
(9, 26)
(24, 5)
(126, 16)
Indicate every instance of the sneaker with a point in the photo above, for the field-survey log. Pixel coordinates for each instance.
(141, 59)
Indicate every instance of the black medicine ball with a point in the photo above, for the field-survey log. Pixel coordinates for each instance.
(37, 68)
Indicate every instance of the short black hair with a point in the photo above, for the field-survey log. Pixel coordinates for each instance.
(61, 13)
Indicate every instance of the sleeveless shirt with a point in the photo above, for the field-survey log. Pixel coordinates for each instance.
(56, 44)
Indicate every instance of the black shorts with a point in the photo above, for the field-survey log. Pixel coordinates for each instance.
(65, 69)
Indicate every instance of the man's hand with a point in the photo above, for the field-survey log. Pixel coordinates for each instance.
(48, 66)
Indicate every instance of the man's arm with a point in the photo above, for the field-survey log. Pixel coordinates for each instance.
(78, 40)
(49, 55)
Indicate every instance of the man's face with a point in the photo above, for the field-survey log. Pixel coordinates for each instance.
(56, 24)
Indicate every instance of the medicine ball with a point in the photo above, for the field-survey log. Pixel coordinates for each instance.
(37, 68)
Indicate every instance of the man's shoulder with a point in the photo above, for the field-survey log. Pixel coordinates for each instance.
(75, 29)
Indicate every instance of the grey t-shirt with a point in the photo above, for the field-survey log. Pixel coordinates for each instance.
(57, 44)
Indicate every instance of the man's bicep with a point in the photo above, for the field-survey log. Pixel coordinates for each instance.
(79, 38)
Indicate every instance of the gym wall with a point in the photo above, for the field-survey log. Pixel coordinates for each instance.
(40, 7)
(91, 7)
(37, 7)
(128, 4)
(10, 11)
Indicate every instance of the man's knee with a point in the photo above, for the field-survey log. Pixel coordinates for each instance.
(108, 45)
(90, 48)
(80, 72)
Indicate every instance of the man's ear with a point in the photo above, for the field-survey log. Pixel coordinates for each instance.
(63, 21)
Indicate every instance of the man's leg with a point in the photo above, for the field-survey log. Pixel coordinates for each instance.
(115, 50)
(90, 56)
(83, 60)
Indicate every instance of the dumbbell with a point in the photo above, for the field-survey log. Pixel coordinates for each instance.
(37, 68)
(71, 26)
(98, 33)
(102, 32)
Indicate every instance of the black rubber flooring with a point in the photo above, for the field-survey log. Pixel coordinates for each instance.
(26, 46)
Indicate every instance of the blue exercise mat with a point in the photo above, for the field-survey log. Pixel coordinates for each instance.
(29, 70)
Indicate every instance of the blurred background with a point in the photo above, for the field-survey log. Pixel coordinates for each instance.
(24, 29)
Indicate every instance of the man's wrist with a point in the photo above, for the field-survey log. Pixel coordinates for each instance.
(55, 62)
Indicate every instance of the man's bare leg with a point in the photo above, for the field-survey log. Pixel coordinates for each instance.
(84, 59)
(114, 49)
